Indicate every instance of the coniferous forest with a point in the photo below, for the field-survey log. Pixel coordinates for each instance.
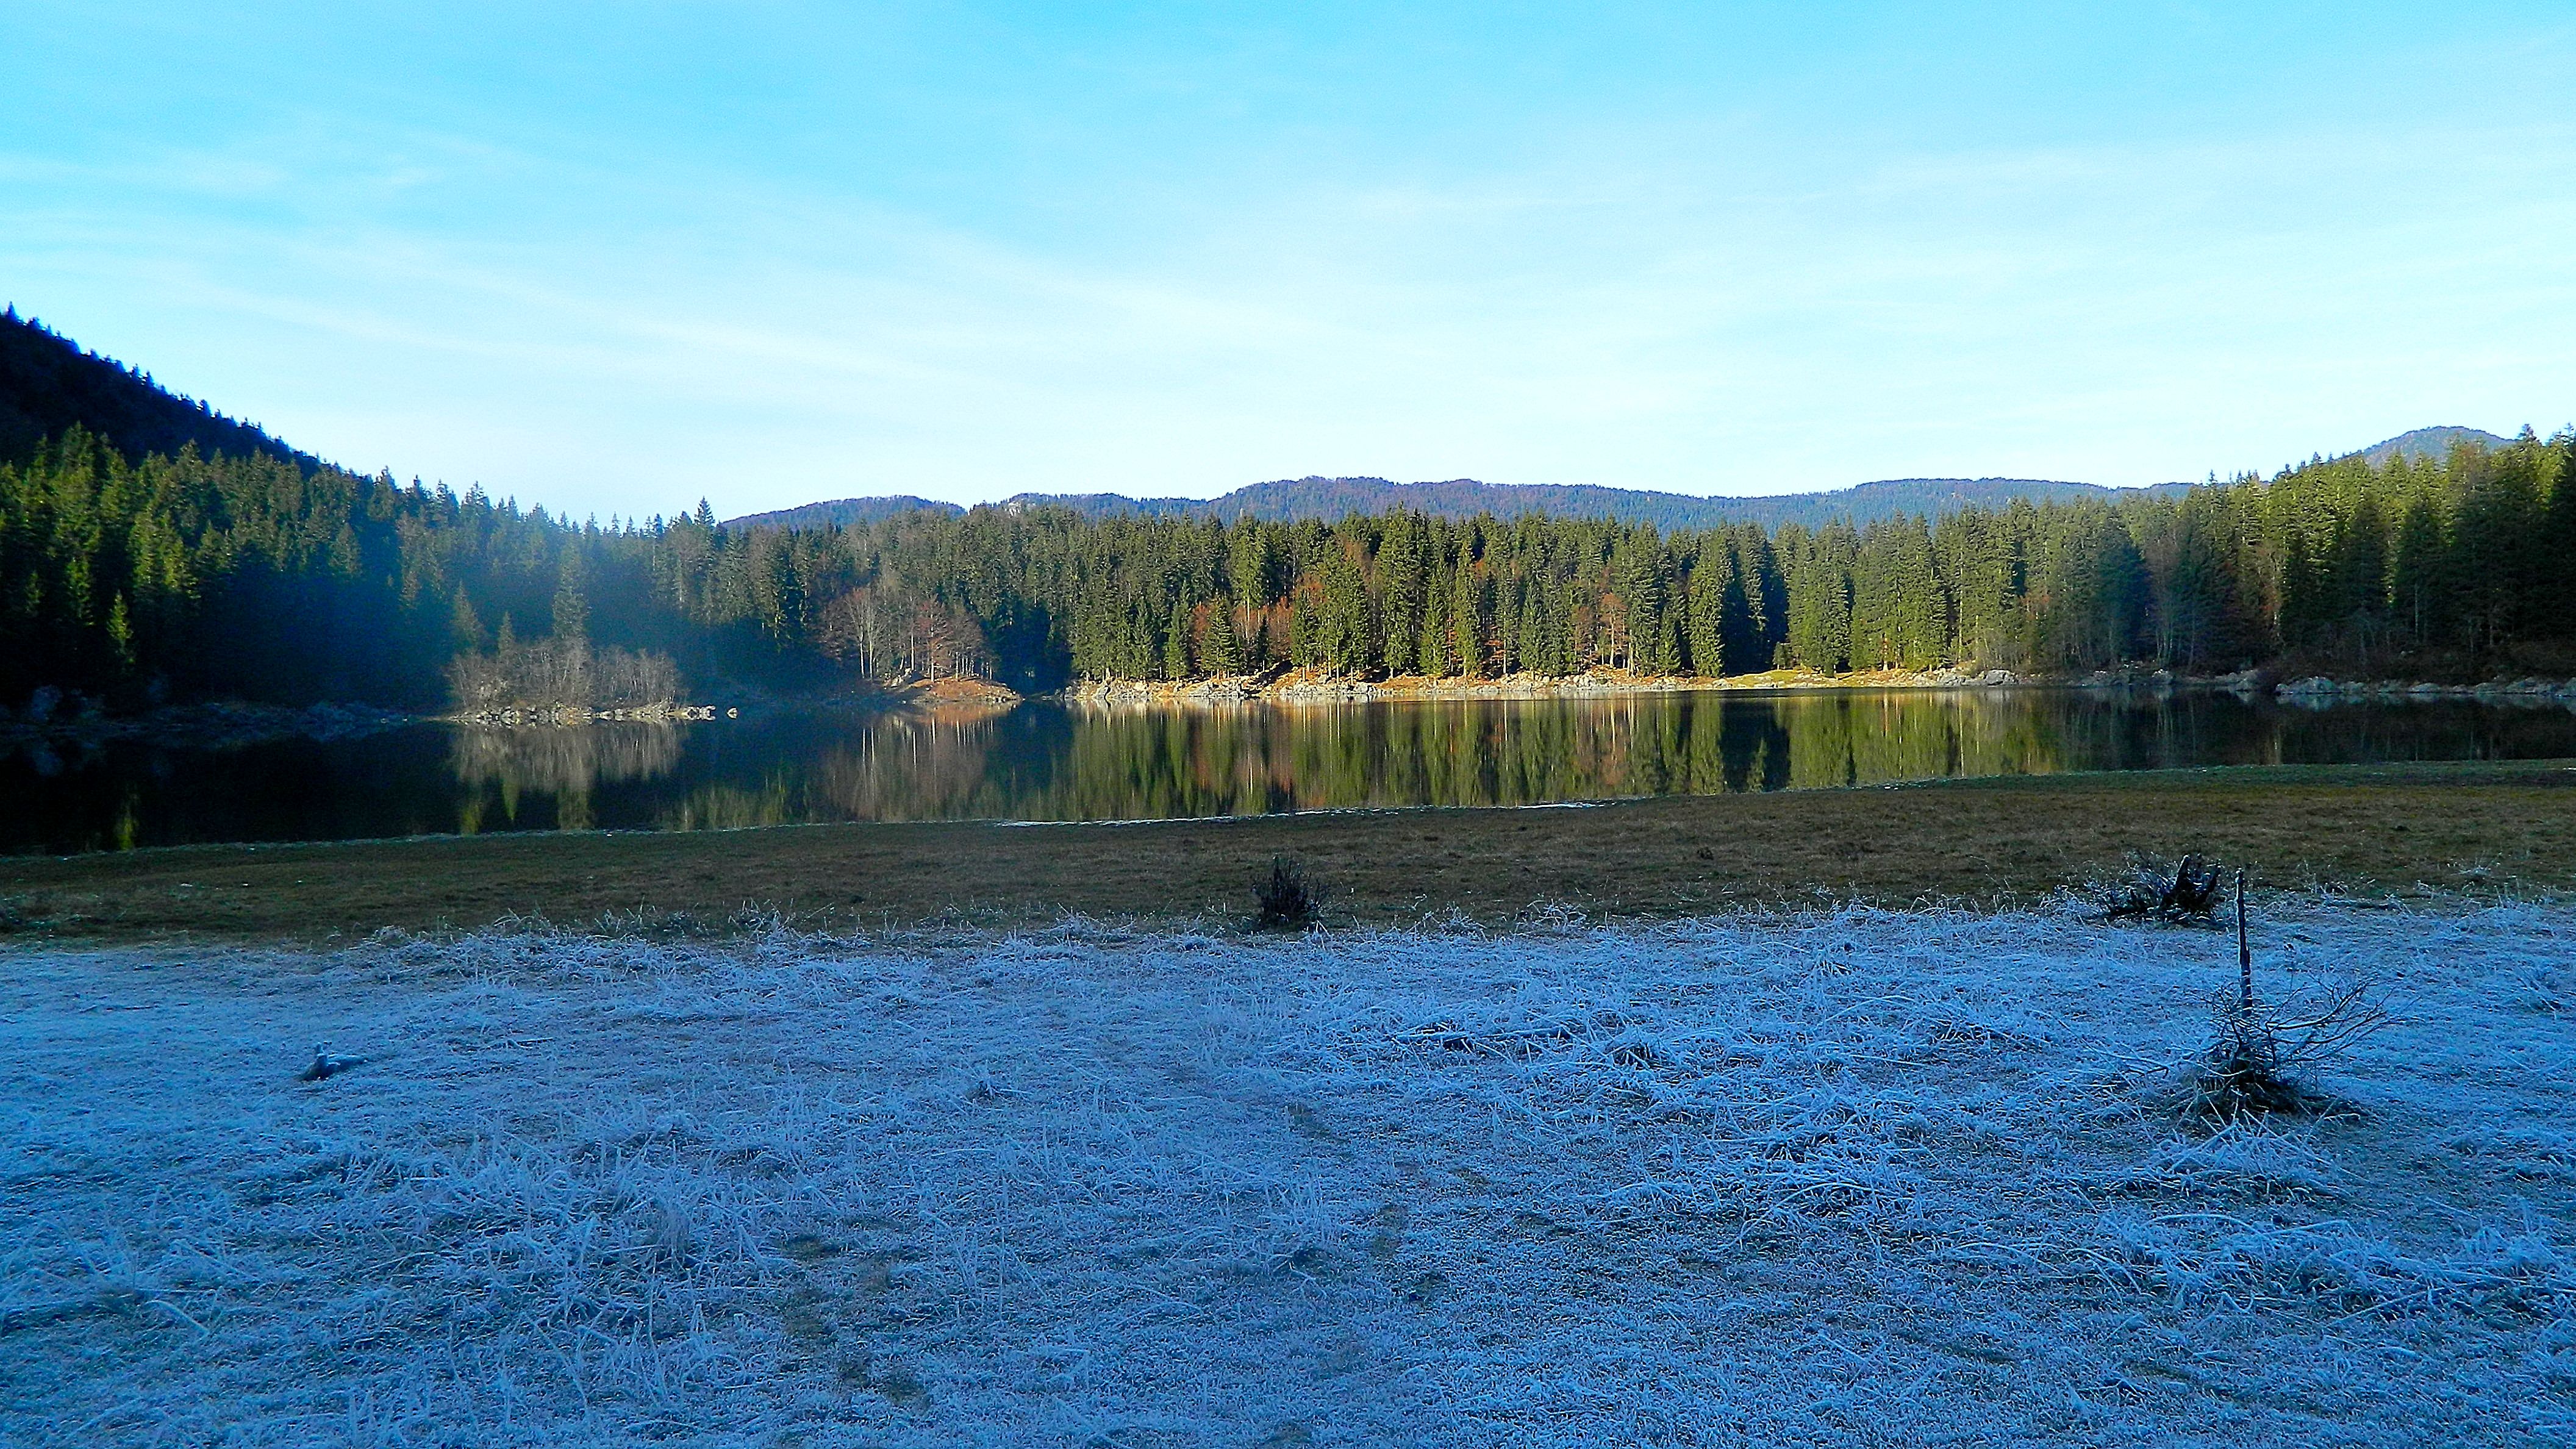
(261, 574)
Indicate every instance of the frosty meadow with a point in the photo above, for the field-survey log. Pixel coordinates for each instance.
(874, 726)
(1851, 1176)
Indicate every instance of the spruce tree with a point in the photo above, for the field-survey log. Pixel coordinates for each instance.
(2555, 594)
(572, 602)
(1224, 653)
(1712, 579)
(1176, 642)
(1467, 623)
(2419, 593)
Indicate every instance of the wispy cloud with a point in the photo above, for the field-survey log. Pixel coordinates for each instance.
(1701, 300)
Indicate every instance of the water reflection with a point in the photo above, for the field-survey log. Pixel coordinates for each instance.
(501, 766)
(1045, 761)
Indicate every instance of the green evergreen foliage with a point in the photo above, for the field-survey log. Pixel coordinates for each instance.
(255, 574)
(48, 386)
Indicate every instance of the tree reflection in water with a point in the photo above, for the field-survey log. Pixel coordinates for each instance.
(564, 764)
(1084, 762)
(1048, 761)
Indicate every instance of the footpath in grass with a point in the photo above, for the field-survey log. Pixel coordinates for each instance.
(1845, 1177)
(2011, 842)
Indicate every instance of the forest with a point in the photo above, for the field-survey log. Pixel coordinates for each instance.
(263, 576)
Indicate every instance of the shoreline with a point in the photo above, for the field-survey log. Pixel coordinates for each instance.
(214, 725)
(2482, 828)
(222, 724)
(1315, 686)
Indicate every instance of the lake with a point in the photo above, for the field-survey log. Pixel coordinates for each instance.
(1051, 761)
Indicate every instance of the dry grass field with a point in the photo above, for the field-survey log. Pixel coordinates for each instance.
(2001, 842)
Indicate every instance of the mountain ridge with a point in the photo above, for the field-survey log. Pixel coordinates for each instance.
(1292, 499)
(2426, 445)
(1319, 497)
(49, 385)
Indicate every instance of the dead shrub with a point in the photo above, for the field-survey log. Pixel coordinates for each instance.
(2263, 1058)
(2191, 895)
(1287, 899)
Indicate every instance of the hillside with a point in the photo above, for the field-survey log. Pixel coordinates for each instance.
(1290, 499)
(48, 385)
(1287, 500)
(2428, 445)
(842, 513)
(251, 573)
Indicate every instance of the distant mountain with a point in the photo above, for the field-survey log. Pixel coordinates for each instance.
(47, 384)
(841, 513)
(1332, 498)
(2428, 445)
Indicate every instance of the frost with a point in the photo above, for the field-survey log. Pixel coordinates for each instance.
(1849, 1177)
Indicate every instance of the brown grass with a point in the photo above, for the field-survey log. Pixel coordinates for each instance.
(2476, 827)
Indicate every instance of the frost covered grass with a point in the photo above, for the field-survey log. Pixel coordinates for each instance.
(1850, 1177)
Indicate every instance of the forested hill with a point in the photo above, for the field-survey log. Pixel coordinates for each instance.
(48, 385)
(843, 512)
(252, 572)
(2428, 445)
(1290, 500)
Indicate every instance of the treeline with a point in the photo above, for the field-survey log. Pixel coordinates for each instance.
(260, 577)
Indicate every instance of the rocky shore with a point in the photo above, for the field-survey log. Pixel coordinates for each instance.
(1316, 686)
(561, 715)
(2318, 690)
(47, 724)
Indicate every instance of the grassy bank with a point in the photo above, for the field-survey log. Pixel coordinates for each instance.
(1994, 842)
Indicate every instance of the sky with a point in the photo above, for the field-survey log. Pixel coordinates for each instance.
(618, 257)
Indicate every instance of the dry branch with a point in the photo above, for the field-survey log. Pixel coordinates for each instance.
(2192, 894)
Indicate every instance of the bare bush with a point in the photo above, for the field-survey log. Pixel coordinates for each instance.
(1287, 899)
(2192, 894)
(2263, 1058)
(560, 674)
(892, 637)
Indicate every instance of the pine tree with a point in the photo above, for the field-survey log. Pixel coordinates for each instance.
(572, 602)
(1399, 572)
(1712, 583)
(2555, 591)
(1436, 655)
(2361, 566)
(465, 630)
(1224, 655)
(1176, 643)
(1467, 624)
(2419, 587)
(1819, 574)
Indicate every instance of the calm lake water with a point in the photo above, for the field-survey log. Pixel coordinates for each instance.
(1046, 761)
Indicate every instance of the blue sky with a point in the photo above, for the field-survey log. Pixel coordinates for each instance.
(617, 257)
